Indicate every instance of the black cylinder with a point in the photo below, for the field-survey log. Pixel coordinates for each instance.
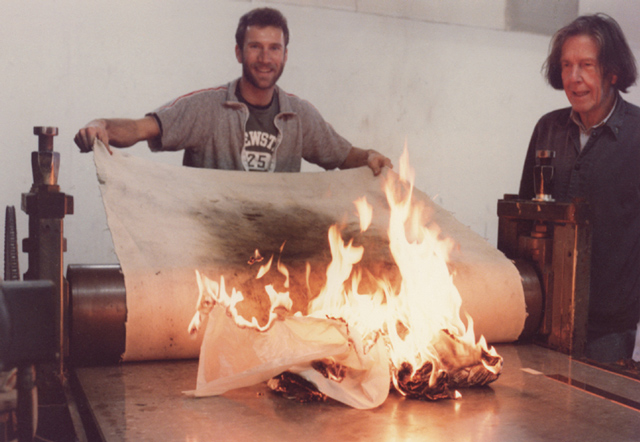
(533, 299)
(98, 312)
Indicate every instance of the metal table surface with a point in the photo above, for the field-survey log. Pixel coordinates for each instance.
(144, 402)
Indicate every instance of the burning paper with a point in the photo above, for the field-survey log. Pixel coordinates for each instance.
(169, 221)
(416, 319)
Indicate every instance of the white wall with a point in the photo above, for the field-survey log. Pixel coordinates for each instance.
(464, 98)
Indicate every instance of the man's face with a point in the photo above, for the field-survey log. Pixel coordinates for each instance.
(263, 56)
(590, 95)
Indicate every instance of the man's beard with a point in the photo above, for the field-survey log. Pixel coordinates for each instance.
(248, 75)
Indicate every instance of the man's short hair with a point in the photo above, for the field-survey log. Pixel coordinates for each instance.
(261, 17)
(614, 55)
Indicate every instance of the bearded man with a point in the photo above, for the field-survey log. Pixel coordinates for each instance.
(248, 124)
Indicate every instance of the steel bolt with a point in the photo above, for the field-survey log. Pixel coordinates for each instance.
(45, 137)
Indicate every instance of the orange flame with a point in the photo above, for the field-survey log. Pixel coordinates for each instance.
(419, 322)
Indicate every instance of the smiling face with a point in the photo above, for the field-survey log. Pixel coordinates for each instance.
(590, 95)
(263, 57)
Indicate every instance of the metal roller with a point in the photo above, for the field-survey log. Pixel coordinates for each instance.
(533, 299)
(98, 312)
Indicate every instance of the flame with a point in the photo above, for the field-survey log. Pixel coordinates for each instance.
(420, 323)
(256, 257)
(212, 293)
(431, 349)
(365, 212)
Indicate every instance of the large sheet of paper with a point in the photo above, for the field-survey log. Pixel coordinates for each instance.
(167, 221)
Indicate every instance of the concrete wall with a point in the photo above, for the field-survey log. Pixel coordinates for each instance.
(463, 93)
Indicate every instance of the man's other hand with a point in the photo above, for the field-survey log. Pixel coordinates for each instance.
(88, 134)
(376, 161)
(373, 159)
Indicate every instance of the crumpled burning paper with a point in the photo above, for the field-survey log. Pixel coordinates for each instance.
(291, 345)
(169, 221)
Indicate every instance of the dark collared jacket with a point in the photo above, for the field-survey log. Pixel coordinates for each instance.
(607, 174)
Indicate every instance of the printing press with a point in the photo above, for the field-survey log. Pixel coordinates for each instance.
(547, 389)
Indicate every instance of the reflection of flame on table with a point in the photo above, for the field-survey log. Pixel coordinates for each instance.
(431, 351)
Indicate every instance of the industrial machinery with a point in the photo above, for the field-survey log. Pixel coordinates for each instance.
(27, 337)
(549, 243)
(47, 207)
(33, 323)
